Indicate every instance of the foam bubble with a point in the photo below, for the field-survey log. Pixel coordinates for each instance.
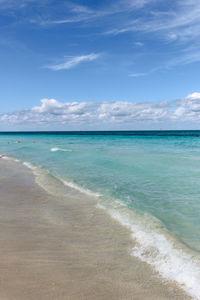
(60, 149)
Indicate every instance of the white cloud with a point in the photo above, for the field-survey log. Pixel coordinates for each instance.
(110, 111)
(194, 96)
(188, 109)
(104, 114)
(54, 111)
(52, 108)
(128, 111)
(73, 61)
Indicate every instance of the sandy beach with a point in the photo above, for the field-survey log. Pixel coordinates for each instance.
(63, 247)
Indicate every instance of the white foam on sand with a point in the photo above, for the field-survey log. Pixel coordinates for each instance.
(155, 246)
(9, 158)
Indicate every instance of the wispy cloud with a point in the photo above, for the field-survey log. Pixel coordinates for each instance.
(180, 22)
(82, 13)
(138, 74)
(72, 61)
(186, 56)
(139, 44)
(142, 74)
(176, 25)
(20, 4)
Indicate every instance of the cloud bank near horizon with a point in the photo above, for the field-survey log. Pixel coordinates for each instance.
(100, 114)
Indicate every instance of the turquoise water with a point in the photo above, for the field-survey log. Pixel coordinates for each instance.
(150, 183)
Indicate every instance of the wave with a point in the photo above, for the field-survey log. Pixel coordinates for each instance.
(157, 247)
(153, 243)
(40, 173)
(3, 156)
(30, 166)
(60, 149)
(79, 188)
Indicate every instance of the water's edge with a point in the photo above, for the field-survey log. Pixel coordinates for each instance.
(154, 244)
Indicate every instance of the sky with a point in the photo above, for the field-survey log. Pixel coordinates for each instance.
(99, 64)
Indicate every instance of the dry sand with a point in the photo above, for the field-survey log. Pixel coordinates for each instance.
(63, 247)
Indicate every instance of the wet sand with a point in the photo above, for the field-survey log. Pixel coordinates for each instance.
(63, 247)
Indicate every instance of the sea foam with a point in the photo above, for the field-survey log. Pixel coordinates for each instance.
(79, 188)
(54, 149)
(30, 166)
(8, 157)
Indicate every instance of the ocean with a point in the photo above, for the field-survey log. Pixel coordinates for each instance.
(149, 181)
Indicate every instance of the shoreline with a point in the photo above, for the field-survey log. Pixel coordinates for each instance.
(64, 247)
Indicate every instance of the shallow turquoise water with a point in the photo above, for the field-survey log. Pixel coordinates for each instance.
(154, 175)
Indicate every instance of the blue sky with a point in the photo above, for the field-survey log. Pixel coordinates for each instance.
(129, 54)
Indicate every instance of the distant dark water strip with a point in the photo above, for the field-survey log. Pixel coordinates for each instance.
(163, 133)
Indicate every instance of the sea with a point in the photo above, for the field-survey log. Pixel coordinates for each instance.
(149, 181)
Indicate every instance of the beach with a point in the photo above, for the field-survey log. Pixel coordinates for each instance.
(64, 247)
(100, 150)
